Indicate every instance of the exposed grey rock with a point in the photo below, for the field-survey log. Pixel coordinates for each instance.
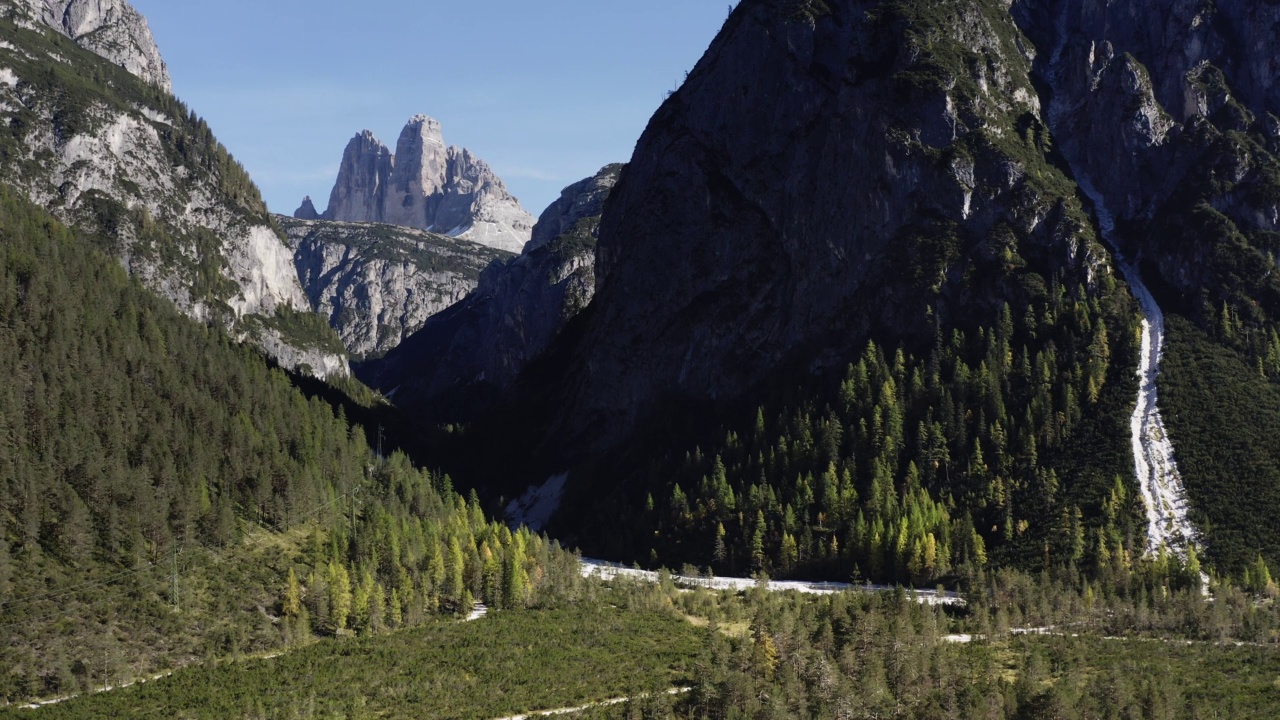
(151, 181)
(379, 283)
(480, 346)
(1152, 102)
(307, 210)
(418, 182)
(428, 186)
(769, 214)
(584, 199)
(317, 362)
(109, 28)
(359, 195)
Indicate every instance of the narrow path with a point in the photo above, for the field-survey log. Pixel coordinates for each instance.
(589, 706)
(965, 638)
(36, 705)
(606, 570)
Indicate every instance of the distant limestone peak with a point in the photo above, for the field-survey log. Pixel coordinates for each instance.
(112, 29)
(306, 211)
(429, 186)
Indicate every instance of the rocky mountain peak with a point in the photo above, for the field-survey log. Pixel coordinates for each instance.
(360, 192)
(420, 176)
(426, 125)
(112, 29)
(306, 211)
(429, 186)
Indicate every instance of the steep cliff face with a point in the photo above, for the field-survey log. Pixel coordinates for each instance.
(129, 162)
(109, 28)
(843, 260)
(788, 202)
(428, 186)
(1166, 109)
(361, 190)
(377, 284)
(477, 348)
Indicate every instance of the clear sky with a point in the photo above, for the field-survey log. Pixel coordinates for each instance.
(546, 91)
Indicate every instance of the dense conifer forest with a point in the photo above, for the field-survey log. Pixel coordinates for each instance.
(167, 495)
(1000, 442)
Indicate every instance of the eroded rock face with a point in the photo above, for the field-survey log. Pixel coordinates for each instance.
(776, 205)
(151, 182)
(377, 283)
(428, 186)
(360, 192)
(109, 28)
(583, 199)
(478, 347)
(1170, 110)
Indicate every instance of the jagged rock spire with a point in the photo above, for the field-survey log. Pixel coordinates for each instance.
(429, 186)
(306, 211)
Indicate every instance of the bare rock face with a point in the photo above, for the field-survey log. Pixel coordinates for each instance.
(111, 29)
(428, 186)
(776, 205)
(418, 185)
(477, 348)
(379, 283)
(307, 210)
(360, 193)
(1169, 109)
(148, 179)
(584, 199)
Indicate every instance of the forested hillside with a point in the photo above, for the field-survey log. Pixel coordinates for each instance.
(166, 494)
(998, 445)
(145, 177)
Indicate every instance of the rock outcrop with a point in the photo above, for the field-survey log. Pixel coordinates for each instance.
(147, 178)
(109, 28)
(477, 348)
(428, 186)
(307, 210)
(782, 207)
(378, 283)
(1170, 110)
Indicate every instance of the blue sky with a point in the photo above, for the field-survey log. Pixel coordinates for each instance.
(547, 92)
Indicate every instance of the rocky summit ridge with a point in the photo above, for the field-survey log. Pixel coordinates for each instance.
(427, 185)
(378, 283)
(112, 29)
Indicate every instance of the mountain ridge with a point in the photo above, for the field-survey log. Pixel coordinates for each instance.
(126, 160)
(481, 345)
(429, 186)
(377, 283)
